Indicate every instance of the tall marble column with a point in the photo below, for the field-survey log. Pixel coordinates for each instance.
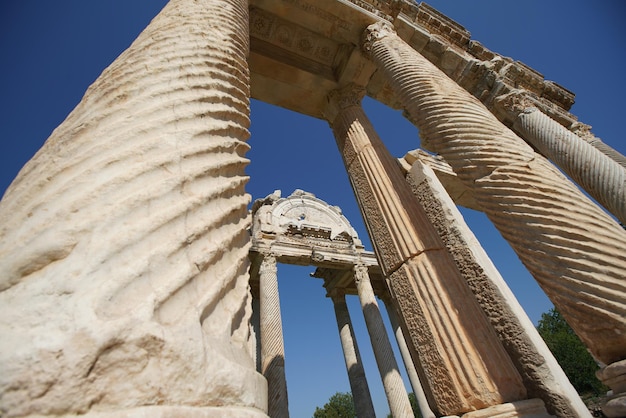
(598, 174)
(572, 248)
(411, 371)
(397, 395)
(272, 343)
(464, 365)
(356, 375)
(124, 241)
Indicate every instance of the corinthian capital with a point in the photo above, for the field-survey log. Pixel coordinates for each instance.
(375, 32)
(516, 102)
(343, 98)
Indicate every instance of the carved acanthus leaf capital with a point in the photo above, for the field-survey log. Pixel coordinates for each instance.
(516, 102)
(343, 98)
(375, 32)
(361, 274)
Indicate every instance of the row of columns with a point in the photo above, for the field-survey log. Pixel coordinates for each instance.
(572, 248)
(272, 347)
(569, 245)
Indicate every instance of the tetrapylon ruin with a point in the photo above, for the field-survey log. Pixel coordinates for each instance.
(129, 256)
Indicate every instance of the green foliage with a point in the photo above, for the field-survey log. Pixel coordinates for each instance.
(340, 405)
(570, 352)
(414, 406)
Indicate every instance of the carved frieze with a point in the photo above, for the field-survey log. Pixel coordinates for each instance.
(291, 37)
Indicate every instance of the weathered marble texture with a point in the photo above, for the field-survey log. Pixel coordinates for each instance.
(572, 248)
(124, 243)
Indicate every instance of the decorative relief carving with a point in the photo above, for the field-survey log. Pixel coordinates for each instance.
(291, 37)
(322, 14)
(302, 219)
(375, 32)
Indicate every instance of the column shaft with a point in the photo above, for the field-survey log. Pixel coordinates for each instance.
(573, 249)
(272, 345)
(129, 230)
(439, 311)
(356, 375)
(598, 174)
(397, 395)
(416, 384)
(541, 373)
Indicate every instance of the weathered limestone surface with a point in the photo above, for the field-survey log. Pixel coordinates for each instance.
(356, 375)
(272, 344)
(572, 248)
(438, 312)
(543, 377)
(124, 243)
(385, 359)
(598, 174)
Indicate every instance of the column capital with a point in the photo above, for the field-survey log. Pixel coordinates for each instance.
(337, 295)
(516, 102)
(375, 32)
(360, 272)
(337, 100)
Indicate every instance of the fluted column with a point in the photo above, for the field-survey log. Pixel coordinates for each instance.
(542, 375)
(438, 310)
(124, 241)
(356, 375)
(573, 249)
(411, 371)
(597, 173)
(272, 343)
(397, 395)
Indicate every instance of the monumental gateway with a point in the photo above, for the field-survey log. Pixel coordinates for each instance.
(130, 258)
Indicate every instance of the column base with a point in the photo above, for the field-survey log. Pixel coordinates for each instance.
(614, 376)
(530, 408)
(180, 412)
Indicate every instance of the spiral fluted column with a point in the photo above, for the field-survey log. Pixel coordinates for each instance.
(597, 173)
(397, 395)
(411, 371)
(438, 310)
(124, 241)
(272, 342)
(356, 375)
(573, 249)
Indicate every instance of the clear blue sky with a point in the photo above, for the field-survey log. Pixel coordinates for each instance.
(53, 50)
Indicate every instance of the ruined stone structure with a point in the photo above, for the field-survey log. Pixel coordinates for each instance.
(129, 256)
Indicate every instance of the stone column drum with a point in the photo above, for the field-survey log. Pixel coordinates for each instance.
(596, 172)
(411, 371)
(439, 313)
(356, 375)
(387, 365)
(272, 345)
(542, 375)
(124, 241)
(572, 248)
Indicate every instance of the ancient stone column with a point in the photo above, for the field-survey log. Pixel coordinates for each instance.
(573, 249)
(597, 173)
(397, 395)
(411, 371)
(124, 241)
(272, 343)
(439, 313)
(542, 375)
(356, 375)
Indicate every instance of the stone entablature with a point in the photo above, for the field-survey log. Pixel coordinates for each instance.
(304, 230)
